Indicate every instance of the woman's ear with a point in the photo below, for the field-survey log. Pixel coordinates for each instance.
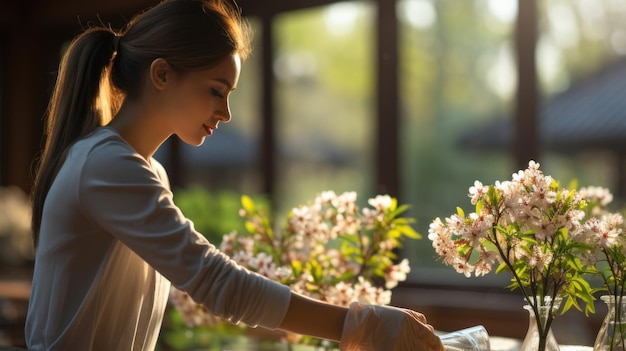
(160, 72)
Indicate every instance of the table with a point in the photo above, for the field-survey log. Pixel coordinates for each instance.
(508, 344)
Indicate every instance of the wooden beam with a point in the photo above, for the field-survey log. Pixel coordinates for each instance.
(268, 136)
(387, 111)
(62, 12)
(526, 133)
(267, 8)
(76, 12)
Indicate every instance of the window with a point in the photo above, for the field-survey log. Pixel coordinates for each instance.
(457, 74)
(324, 71)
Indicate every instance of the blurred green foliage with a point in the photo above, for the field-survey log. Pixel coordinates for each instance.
(178, 336)
(214, 213)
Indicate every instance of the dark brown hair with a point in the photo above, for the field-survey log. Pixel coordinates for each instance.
(102, 67)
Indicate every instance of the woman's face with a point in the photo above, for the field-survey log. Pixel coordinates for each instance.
(198, 100)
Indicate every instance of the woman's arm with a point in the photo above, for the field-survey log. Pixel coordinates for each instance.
(361, 327)
(314, 318)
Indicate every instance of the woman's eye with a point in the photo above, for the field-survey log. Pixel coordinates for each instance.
(215, 92)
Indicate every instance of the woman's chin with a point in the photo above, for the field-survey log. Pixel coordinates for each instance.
(194, 141)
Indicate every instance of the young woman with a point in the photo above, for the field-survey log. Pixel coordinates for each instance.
(110, 239)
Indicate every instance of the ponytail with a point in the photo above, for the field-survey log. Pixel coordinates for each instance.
(78, 105)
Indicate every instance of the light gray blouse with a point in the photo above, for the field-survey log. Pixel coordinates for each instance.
(111, 242)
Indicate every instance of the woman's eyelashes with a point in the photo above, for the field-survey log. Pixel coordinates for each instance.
(217, 93)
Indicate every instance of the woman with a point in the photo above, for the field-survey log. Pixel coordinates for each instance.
(110, 238)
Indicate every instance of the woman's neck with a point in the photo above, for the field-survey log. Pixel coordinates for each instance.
(139, 126)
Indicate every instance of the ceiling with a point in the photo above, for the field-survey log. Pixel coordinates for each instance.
(18, 14)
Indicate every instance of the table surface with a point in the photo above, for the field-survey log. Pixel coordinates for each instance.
(508, 344)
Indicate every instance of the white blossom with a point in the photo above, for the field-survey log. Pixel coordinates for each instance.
(477, 191)
(397, 273)
(380, 202)
(308, 256)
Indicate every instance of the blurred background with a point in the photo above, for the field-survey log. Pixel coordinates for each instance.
(412, 98)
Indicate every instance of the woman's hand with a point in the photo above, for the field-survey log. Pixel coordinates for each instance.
(386, 328)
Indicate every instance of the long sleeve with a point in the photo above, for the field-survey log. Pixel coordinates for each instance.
(111, 241)
(129, 198)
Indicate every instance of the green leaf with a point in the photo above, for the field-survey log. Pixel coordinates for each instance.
(409, 232)
(247, 203)
(348, 275)
(394, 204)
(250, 227)
(399, 210)
(501, 267)
(459, 212)
(316, 271)
(297, 267)
(479, 206)
(569, 302)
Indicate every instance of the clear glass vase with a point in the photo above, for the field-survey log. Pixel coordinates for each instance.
(533, 340)
(612, 331)
(469, 339)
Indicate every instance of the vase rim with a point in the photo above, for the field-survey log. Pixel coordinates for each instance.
(611, 298)
(547, 300)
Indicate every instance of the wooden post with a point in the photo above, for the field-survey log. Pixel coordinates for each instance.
(526, 140)
(268, 158)
(387, 147)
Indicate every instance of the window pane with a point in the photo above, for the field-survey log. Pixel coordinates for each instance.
(448, 50)
(458, 74)
(324, 124)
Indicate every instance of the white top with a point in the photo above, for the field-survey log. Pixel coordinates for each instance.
(111, 241)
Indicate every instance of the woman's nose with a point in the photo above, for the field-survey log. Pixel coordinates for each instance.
(225, 114)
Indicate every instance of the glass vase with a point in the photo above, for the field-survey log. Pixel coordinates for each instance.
(469, 339)
(611, 334)
(534, 340)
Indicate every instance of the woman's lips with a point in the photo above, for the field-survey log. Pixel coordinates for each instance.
(208, 129)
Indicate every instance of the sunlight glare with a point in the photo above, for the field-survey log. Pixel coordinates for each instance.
(293, 66)
(341, 18)
(504, 10)
(501, 76)
(562, 21)
(595, 19)
(550, 64)
(417, 13)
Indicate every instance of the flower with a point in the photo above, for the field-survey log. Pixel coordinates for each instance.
(397, 273)
(528, 226)
(329, 249)
(605, 236)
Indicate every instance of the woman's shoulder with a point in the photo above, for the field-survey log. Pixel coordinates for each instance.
(103, 140)
(105, 152)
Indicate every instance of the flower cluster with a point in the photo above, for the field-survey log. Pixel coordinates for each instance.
(606, 258)
(529, 226)
(330, 249)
